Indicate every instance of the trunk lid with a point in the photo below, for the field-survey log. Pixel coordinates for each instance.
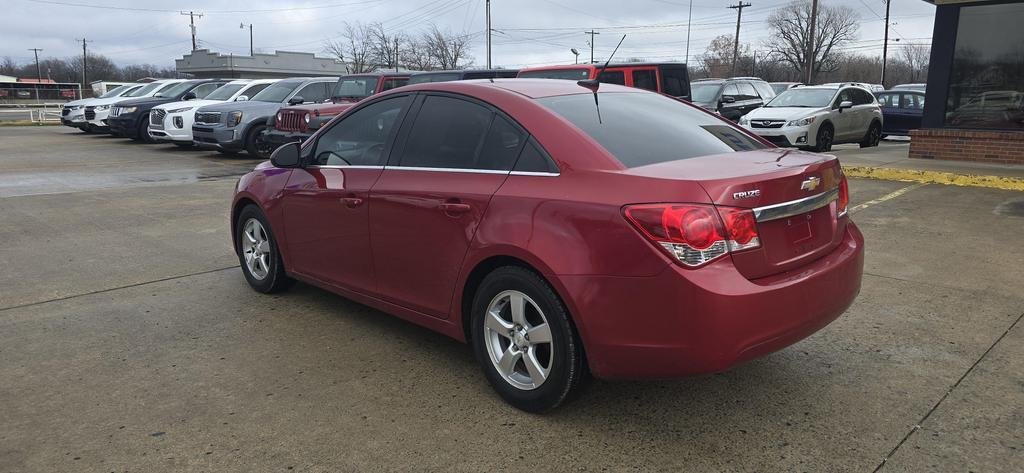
(792, 194)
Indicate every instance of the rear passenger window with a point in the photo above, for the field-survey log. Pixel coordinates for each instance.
(534, 159)
(447, 133)
(747, 91)
(645, 79)
(502, 145)
(392, 83)
(675, 82)
(862, 97)
(887, 100)
(612, 77)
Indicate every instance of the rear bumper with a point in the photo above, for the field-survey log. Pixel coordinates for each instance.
(276, 138)
(686, 322)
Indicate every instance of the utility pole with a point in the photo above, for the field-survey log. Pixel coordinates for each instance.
(739, 6)
(85, 62)
(810, 42)
(885, 44)
(241, 26)
(39, 72)
(591, 33)
(396, 54)
(192, 25)
(689, 16)
(488, 33)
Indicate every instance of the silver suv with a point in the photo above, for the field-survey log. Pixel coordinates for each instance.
(818, 116)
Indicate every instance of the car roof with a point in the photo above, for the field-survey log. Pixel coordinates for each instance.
(595, 66)
(530, 88)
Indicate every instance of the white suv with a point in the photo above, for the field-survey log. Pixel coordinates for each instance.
(172, 122)
(818, 116)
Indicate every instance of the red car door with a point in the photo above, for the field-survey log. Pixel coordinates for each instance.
(426, 206)
(325, 202)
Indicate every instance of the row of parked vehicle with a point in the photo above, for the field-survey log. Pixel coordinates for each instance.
(258, 115)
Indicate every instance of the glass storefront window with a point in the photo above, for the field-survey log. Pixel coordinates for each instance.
(986, 88)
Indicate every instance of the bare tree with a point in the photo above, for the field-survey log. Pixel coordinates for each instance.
(916, 56)
(717, 58)
(386, 47)
(790, 27)
(355, 47)
(446, 50)
(416, 55)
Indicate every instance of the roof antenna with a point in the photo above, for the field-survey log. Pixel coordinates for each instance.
(594, 83)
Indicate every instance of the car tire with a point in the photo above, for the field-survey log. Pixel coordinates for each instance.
(143, 131)
(254, 144)
(873, 136)
(258, 252)
(824, 139)
(543, 372)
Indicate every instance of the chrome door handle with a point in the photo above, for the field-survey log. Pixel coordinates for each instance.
(454, 209)
(352, 202)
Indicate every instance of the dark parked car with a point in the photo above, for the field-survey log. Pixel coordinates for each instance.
(901, 111)
(130, 118)
(731, 98)
(649, 240)
(467, 74)
(669, 78)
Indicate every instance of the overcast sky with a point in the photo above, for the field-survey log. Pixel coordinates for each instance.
(529, 32)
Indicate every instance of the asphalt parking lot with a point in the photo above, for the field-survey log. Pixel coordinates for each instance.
(130, 341)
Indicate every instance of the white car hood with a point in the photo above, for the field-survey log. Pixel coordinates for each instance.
(195, 103)
(782, 113)
(111, 100)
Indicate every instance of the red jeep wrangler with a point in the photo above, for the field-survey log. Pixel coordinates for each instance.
(298, 122)
(669, 78)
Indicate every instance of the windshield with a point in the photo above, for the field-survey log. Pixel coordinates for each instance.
(277, 92)
(175, 90)
(570, 74)
(144, 90)
(780, 88)
(355, 87)
(424, 78)
(225, 92)
(801, 97)
(644, 128)
(115, 91)
(704, 92)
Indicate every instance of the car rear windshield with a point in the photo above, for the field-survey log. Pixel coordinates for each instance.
(355, 88)
(801, 97)
(704, 92)
(648, 128)
(570, 74)
(225, 92)
(277, 92)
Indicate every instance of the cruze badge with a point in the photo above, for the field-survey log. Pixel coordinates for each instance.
(746, 194)
(810, 184)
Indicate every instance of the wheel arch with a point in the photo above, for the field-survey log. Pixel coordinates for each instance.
(236, 209)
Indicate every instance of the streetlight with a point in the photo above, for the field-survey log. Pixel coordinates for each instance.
(242, 27)
(577, 53)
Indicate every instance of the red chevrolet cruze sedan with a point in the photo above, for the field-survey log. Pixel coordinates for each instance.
(559, 230)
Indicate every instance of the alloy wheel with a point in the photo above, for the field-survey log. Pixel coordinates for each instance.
(518, 339)
(256, 249)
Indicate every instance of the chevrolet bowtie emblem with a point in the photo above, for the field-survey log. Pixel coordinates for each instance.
(810, 184)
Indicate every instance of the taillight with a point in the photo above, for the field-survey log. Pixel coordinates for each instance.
(695, 234)
(844, 197)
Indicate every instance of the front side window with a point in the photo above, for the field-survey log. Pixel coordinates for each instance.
(357, 88)
(204, 90)
(253, 90)
(862, 97)
(985, 88)
(277, 92)
(393, 83)
(645, 79)
(644, 128)
(764, 90)
(359, 139)
(115, 91)
(434, 77)
(175, 89)
(705, 92)
(447, 133)
(747, 91)
(315, 92)
(888, 100)
(143, 91)
(225, 92)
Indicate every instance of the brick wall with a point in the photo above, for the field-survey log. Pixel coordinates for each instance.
(1003, 147)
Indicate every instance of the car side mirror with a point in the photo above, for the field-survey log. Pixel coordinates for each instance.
(286, 156)
(242, 98)
(296, 100)
(845, 104)
(728, 99)
(189, 96)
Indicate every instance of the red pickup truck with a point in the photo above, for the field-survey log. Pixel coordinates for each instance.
(298, 122)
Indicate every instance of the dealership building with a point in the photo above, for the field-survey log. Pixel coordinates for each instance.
(974, 104)
(204, 64)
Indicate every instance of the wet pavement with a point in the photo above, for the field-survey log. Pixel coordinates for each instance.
(129, 341)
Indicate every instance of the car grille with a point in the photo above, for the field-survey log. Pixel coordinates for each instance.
(210, 118)
(156, 118)
(90, 113)
(778, 140)
(291, 120)
(767, 123)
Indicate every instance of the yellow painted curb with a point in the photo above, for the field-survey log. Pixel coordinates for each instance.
(935, 177)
